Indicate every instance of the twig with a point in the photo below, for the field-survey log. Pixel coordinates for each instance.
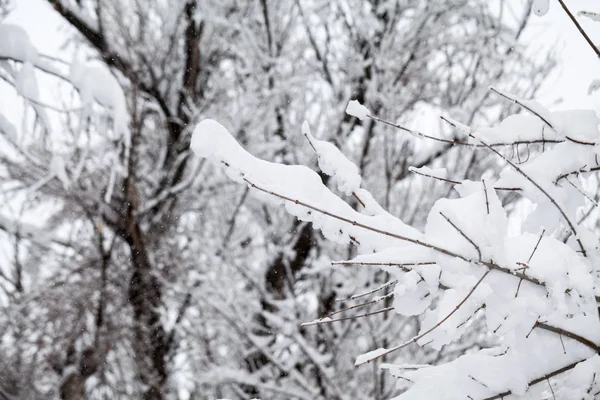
(358, 296)
(41, 68)
(458, 142)
(471, 316)
(329, 321)
(562, 344)
(581, 192)
(478, 381)
(541, 141)
(462, 234)
(231, 222)
(360, 225)
(441, 250)
(511, 99)
(592, 384)
(319, 156)
(568, 334)
(538, 380)
(50, 107)
(420, 336)
(541, 189)
(415, 171)
(384, 264)
(355, 306)
(490, 265)
(532, 111)
(552, 390)
(536, 246)
(579, 28)
(487, 202)
(448, 141)
(579, 171)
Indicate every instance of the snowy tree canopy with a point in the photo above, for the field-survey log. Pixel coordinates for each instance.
(132, 269)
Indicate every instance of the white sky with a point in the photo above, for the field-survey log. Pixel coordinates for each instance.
(565, 89)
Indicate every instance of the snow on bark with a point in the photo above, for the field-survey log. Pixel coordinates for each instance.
(333, 163)
(212, 141)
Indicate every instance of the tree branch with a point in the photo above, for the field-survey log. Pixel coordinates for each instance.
(579, 28)
(428, 331)
(538, 380)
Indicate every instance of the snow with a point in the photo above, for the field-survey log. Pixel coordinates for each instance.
(16, 44)
(333, 163)
(58, 169)
(26, 84)
(8, 128)
(529, 128)
(541, 7)
(482, 375)
(95, 82)
(364, 358)
(357, 110)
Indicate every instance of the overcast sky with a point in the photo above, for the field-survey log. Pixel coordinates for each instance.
(570, 82)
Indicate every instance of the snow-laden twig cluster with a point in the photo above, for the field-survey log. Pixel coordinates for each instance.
(538, 291)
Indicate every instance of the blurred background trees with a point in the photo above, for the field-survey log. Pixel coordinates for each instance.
(130, 269)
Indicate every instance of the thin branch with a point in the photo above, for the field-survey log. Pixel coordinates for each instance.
(532, 111)
(384, 264)
(360, 225)
(541, 189)
(462, 234)
(538, 380)
(541, 141)
(447, 141)
(569, 334)
(358, 296)
(329, 321)
(581, 192)
(513, 100)
(487, 201)
(579, 28)
(416, 171)
(51, 107)
(536, 245)
(579, 171)
(319, 156)
(41, 68)
(428, 331)
(490, 265)
(355, 306)
(231, 222)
